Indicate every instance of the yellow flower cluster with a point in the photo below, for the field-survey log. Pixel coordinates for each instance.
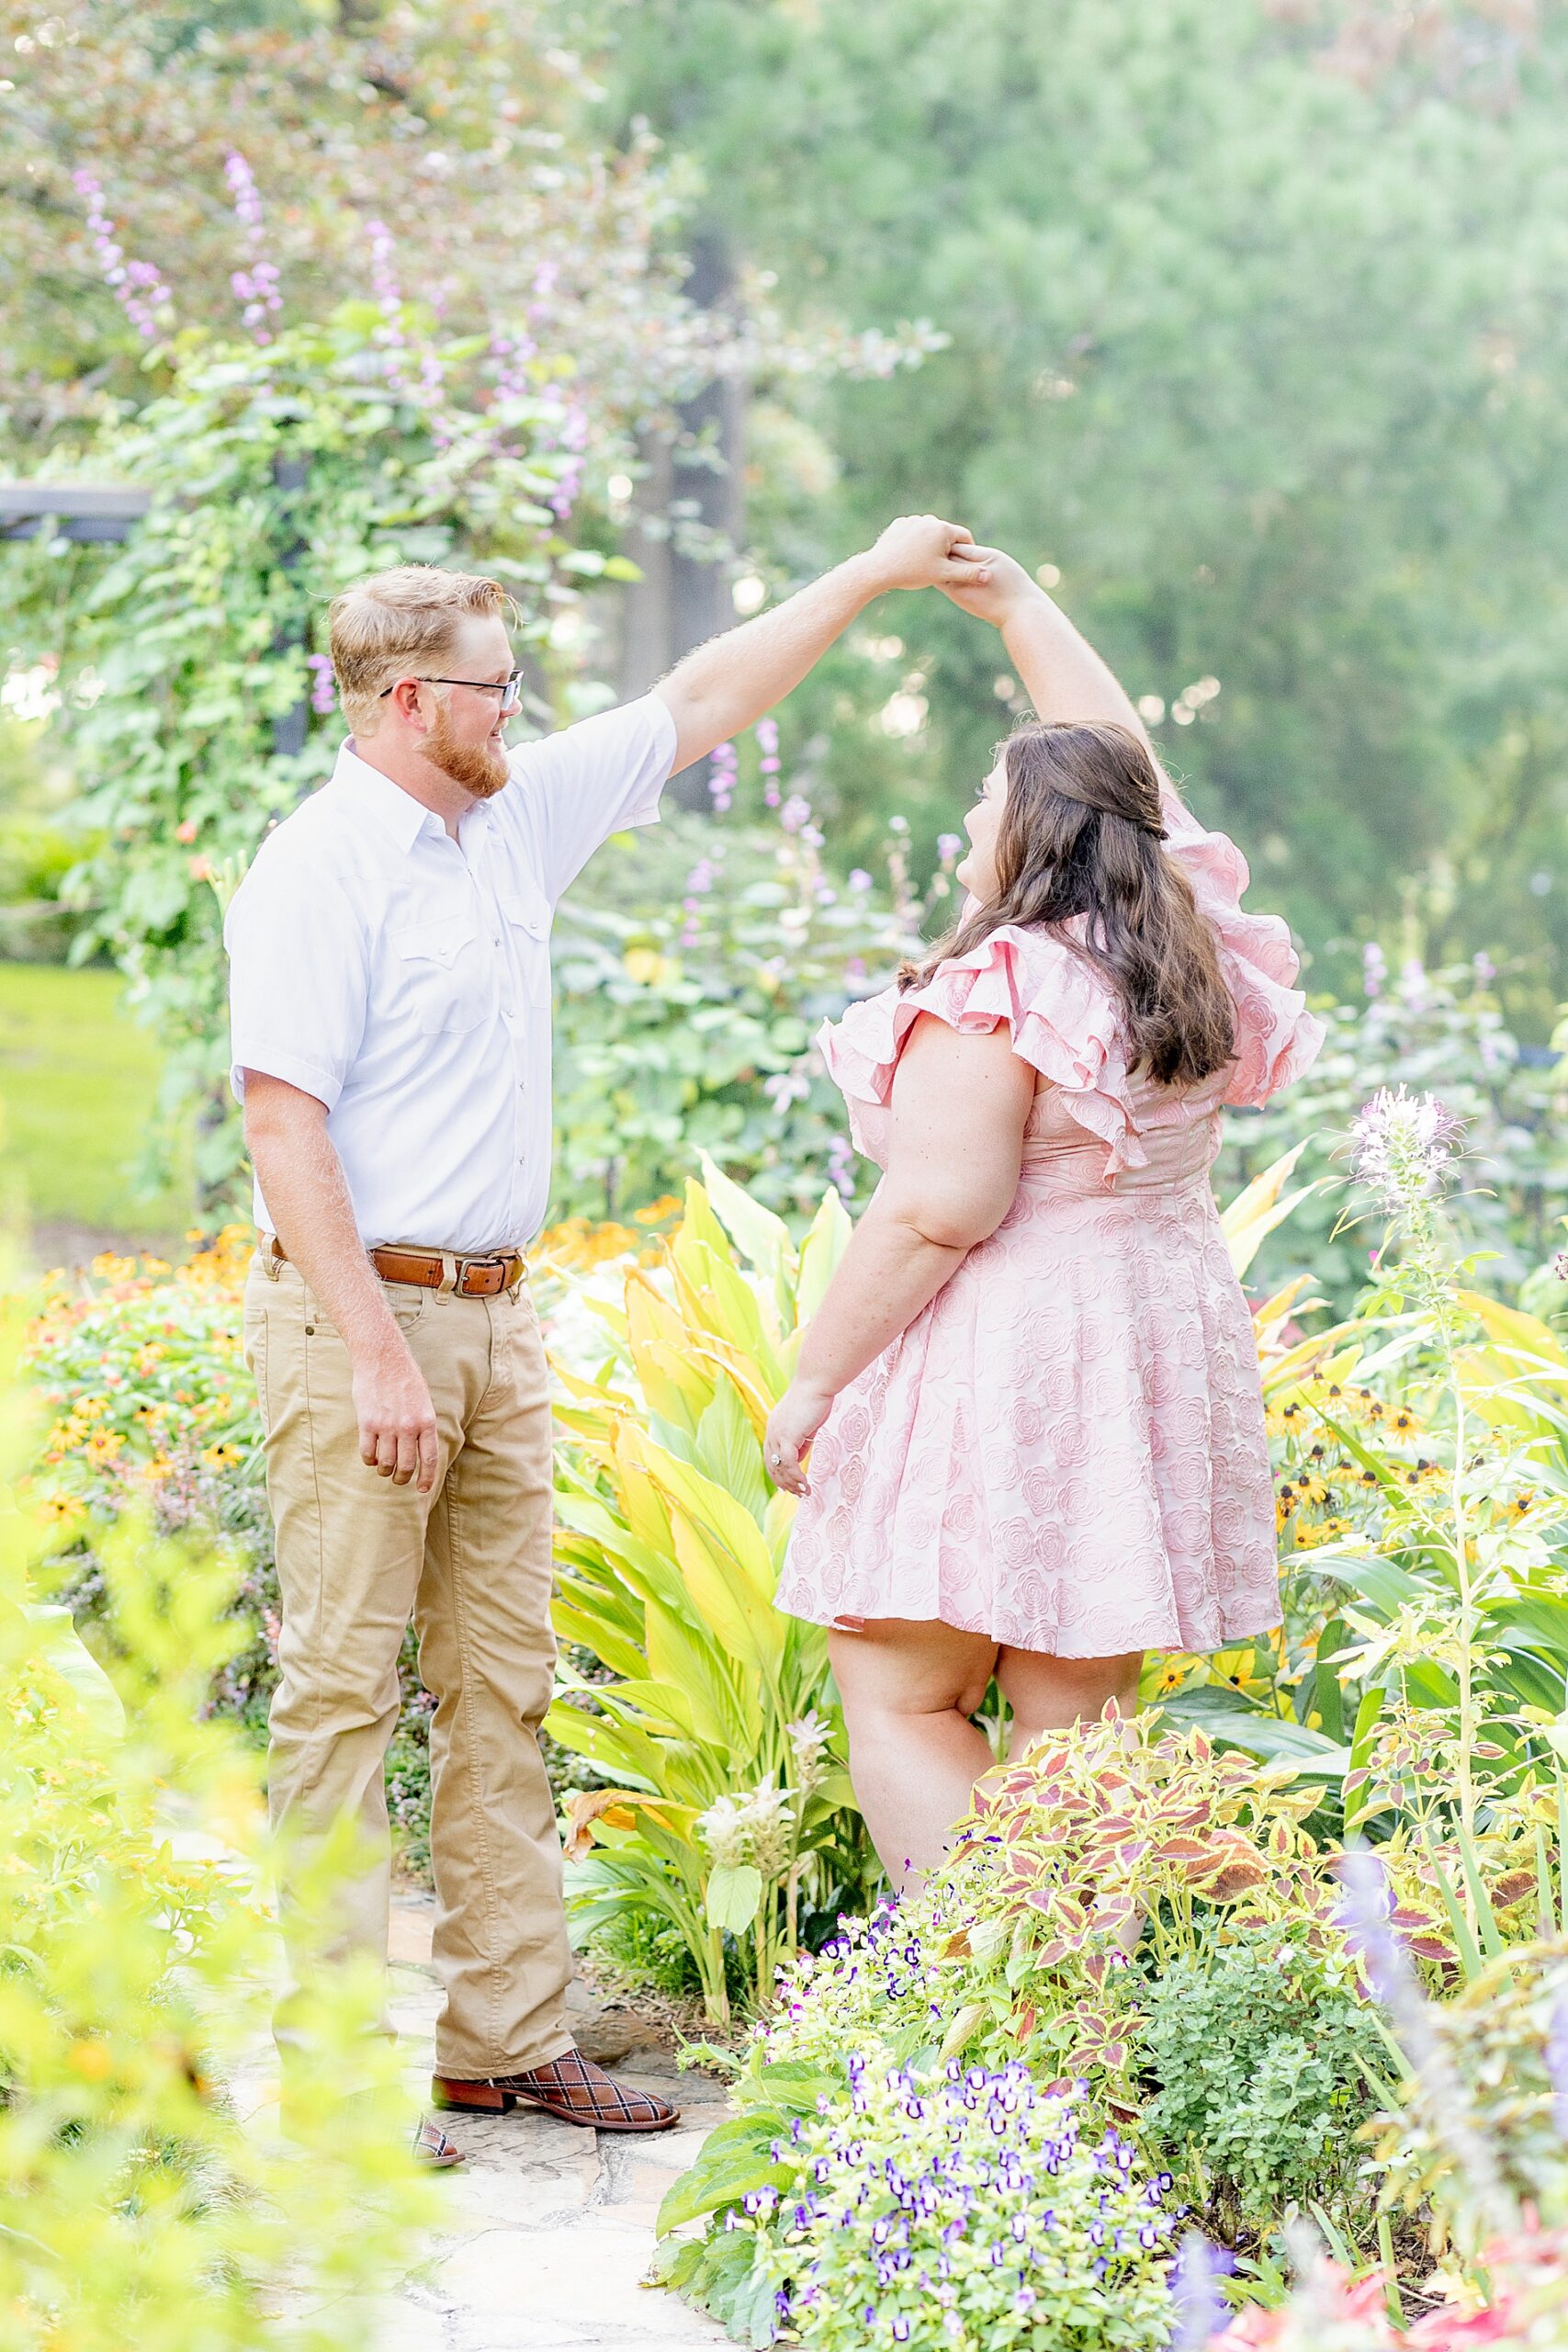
(142, 1361)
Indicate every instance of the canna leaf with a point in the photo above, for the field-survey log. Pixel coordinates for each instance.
(760, 1236)
(724, 1706)
(824, 1245)
(727, 1522)
(750, 1629)
(728, 1451)
(734, 1897)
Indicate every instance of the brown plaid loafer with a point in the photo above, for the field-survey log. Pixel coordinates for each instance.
(571, 2086)
(433, 2150)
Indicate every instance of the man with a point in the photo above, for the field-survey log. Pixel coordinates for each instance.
(391, 999)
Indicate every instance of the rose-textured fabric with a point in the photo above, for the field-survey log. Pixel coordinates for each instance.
(1065, 1449)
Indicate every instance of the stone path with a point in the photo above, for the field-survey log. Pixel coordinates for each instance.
(550, 2228)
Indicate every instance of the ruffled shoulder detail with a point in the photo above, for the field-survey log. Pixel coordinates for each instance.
(1277, 1038)
(1062, 1018)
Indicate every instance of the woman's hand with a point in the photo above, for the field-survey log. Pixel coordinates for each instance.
(793, 1423)
(1000, 593)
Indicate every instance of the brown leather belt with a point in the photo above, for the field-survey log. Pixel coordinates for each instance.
(483, 1277)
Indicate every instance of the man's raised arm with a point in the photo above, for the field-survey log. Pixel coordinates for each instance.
(731, 681)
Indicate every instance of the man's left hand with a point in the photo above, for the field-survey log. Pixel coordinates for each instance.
(922, 551)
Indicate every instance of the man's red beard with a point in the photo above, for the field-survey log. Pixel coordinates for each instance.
(480, 768)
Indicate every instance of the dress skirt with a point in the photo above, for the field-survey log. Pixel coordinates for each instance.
(1064, 1451)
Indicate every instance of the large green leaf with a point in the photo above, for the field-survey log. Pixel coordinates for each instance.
(726, 1450)
(1228, 1715)
(758, 1234)
(735, 1897)
(726, 1706)
(735, 2158)
(821, 1251)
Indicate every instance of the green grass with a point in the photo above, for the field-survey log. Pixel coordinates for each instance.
(78, 1080)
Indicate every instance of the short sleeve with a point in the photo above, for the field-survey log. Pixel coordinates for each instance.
(1061, 1016)
(574, 789)
(1276, 1037)
(299, 977)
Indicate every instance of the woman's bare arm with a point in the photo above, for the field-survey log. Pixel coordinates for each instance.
(1063, 675)
(960, 1107)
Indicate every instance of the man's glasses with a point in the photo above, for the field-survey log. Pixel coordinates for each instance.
(511, 693)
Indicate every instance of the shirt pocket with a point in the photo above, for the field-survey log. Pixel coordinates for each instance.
(446, 979)
(528, 917)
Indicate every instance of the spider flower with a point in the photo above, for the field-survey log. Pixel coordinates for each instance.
(1403, 1146)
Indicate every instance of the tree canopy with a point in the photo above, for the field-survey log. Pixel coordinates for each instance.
(1256, 330)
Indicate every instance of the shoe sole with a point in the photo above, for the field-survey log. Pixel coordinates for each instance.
(503, 2102)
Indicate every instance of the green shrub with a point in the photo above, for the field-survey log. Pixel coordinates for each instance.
(135, 2207)
(1257, 2044)
(693, 965)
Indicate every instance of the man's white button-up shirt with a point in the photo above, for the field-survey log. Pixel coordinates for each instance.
(403, 978)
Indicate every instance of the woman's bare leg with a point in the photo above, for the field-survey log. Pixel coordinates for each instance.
(1051, 1693)
(909, 1690)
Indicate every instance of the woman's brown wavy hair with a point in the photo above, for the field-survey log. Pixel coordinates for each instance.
(1081, 835)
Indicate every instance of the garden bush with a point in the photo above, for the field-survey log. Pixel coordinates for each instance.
(135, 2204)
(1258, 2046)
(693, 965)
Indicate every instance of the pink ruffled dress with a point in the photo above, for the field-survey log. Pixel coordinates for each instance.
(1065, 1450)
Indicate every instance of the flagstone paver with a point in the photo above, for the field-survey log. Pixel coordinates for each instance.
(548, 2228)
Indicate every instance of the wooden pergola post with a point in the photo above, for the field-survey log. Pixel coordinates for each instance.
(73, 510)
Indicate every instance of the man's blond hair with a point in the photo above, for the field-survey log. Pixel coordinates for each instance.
(398, 623)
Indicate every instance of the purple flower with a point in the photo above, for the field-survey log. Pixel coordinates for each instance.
(1374, 969)
(795, 813)
(1556, 2054)
(1199, 2312)
(323, 685)
(950, 847)
(138, 286)
(784, 1087)
(840, 1163)
(256, 285)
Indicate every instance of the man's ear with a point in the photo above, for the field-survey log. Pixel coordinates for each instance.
(405, 700)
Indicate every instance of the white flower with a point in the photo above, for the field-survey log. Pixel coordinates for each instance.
(726, 1830)
(773, 1826)
(1403, 1145)
(808, 1738)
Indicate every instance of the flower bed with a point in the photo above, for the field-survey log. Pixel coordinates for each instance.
(1141, 1941)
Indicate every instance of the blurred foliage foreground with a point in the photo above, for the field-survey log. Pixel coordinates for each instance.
(140, 2202)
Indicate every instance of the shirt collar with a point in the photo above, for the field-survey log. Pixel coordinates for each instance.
(404, 817)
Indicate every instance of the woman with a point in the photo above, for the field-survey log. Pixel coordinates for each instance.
(1030, 1394)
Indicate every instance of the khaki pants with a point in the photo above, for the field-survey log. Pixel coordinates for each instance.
(470, 1563)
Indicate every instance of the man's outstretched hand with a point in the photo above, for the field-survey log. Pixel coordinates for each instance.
(922, 551)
